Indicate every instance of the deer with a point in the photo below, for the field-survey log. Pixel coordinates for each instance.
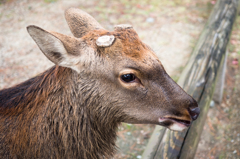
(100, 79)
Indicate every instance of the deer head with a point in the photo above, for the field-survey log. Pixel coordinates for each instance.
(127, 74)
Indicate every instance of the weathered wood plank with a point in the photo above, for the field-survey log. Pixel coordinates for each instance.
(198, 79)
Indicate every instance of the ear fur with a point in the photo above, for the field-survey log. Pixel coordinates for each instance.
(56, 47)
(80, 22)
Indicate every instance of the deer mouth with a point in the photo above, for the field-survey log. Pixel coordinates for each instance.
(174, 123)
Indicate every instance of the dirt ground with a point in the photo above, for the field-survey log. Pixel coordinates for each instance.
(171, 28)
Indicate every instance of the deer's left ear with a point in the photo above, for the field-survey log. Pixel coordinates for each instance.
(60, 49)
(80, 22)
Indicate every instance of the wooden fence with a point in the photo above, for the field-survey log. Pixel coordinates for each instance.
(199, 78)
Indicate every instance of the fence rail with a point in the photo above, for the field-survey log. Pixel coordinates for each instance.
(198, 79)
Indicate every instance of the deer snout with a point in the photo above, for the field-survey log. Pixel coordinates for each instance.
(194, 112)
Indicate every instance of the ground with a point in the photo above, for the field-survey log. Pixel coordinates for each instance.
(171, 28)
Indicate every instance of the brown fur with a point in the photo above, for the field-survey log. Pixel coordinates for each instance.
(73, 109)
(47, 117)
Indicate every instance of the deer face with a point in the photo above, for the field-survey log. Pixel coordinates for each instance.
(128, 74)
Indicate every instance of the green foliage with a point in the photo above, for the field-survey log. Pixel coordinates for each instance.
(222, 156)
(4, 1)
(50, 1)
(231, 47)
(175, 78)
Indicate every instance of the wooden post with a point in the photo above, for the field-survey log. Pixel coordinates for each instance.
(198, 79)
(218, 92)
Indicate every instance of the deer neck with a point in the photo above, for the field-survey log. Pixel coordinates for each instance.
(81, 120)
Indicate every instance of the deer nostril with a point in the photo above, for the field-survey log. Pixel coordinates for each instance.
(194, 112)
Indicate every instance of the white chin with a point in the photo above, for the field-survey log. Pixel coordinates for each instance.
(177, 127)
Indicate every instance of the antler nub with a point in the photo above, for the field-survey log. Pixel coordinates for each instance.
(105, 40)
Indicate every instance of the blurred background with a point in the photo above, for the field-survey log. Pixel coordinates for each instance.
(170, 27)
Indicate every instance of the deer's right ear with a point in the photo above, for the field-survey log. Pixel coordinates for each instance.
(58, 48)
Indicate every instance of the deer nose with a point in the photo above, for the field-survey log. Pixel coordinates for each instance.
(194, 112)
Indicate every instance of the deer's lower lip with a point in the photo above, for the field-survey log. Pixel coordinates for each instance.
(184, 123)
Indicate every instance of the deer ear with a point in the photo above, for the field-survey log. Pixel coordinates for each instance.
(80, 22)
(58, 48)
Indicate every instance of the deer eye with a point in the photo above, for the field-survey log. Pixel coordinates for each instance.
(128, 77)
